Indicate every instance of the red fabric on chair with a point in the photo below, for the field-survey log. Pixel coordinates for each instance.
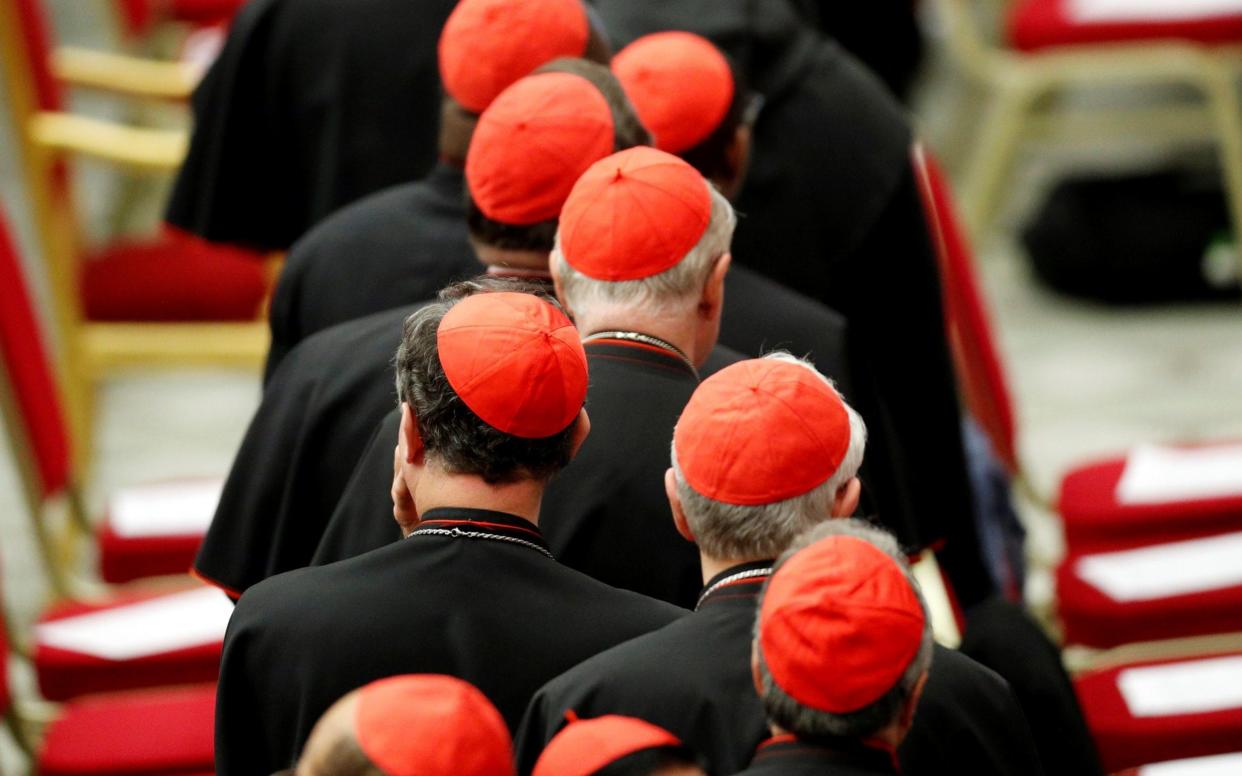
(126, 558)
(25, 364)
(35, 32)
(1037, 24)
(166, 731)
(64, 674)
(1125, 741)
(976, 359)
(139, 15)
(1093, 517)
(1090, 617)
(175, 277)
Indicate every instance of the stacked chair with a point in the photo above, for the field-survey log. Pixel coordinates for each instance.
(102, 651)
(1171, 687)
(167, 300)
(1056, 45)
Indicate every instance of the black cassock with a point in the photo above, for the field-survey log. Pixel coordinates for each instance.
(386, 250)
(472, 594)
(318, 411)
(606, 514)
(787, 756)
(830, 207)
(693, 678)
(311, 105)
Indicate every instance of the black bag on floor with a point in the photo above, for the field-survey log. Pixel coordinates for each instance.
(1141, 238)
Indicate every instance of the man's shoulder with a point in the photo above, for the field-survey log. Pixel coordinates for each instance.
(380, 330)
(631, 660)
(606, 600)
(359, 221)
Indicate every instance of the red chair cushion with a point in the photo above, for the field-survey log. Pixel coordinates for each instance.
(1092, 618)
(126, 558)
(1037, 24)
(174, 277)
(139, 15)
(166, 731)
(64, 673)
(1093, 517)
(1125, 741)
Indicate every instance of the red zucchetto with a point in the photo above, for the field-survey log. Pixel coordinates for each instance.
(761, 431)
(486, 45)
(839, 624)
(515, 361)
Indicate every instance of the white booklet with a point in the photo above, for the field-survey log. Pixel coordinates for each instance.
(1163, 570)
(165, 508)
(1192, 687)
(1159, 475)
(1150, 10)
(151, 627)
(1215, 765)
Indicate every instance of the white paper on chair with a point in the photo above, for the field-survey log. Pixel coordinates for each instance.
(165, 509)
(1158, 475)
(1163, 570)
(1193, 687)
(1215, 765)
(1150, 10)
(163, 624)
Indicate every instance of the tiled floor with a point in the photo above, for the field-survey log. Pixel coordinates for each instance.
(1088, 380)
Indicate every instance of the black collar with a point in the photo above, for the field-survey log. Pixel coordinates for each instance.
(480, 523)
(636, 351)
(749, 581)
(865, 757)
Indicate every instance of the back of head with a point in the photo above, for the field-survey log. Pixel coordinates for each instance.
(760, 453)
(614, 745)
(688, 93)
(495, 377)
(641, 229)
(531, 145)
(410, 725)
(843, 638)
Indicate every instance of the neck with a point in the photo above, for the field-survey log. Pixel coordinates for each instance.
(715, 566)
(466, 491)
(677, 330)
(502, 259)
(887, 738)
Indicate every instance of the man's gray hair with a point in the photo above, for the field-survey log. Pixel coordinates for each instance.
(825, 727)
(671, 291)
(764, 531)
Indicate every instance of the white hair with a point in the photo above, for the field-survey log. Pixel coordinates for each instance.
(671, 291)
(724, 530)
(814, 725)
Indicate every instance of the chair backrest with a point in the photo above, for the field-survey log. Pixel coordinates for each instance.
(980, 372)
(31, 41)
(33, 415)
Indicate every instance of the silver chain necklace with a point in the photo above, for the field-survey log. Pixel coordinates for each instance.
(457, 533)
(751, 574)
(646, 339)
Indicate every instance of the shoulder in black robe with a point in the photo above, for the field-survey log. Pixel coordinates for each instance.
(389, 249)
(606, 514)
(693, 678)
(830, 208)
(318, 411)
(452, 599)
(787, 756)
(310, 105)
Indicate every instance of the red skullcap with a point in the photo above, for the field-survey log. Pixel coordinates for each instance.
(516, 361)
(532, 143)
(428, 725)
(488, 44)
(680, 84)
(634, 214)
(839, 625)
(587, 745)
(761, 431)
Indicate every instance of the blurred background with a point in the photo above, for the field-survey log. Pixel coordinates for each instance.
(1092, 188)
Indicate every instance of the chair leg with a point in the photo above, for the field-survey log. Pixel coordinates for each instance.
(1220, 88)
(993, 155)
